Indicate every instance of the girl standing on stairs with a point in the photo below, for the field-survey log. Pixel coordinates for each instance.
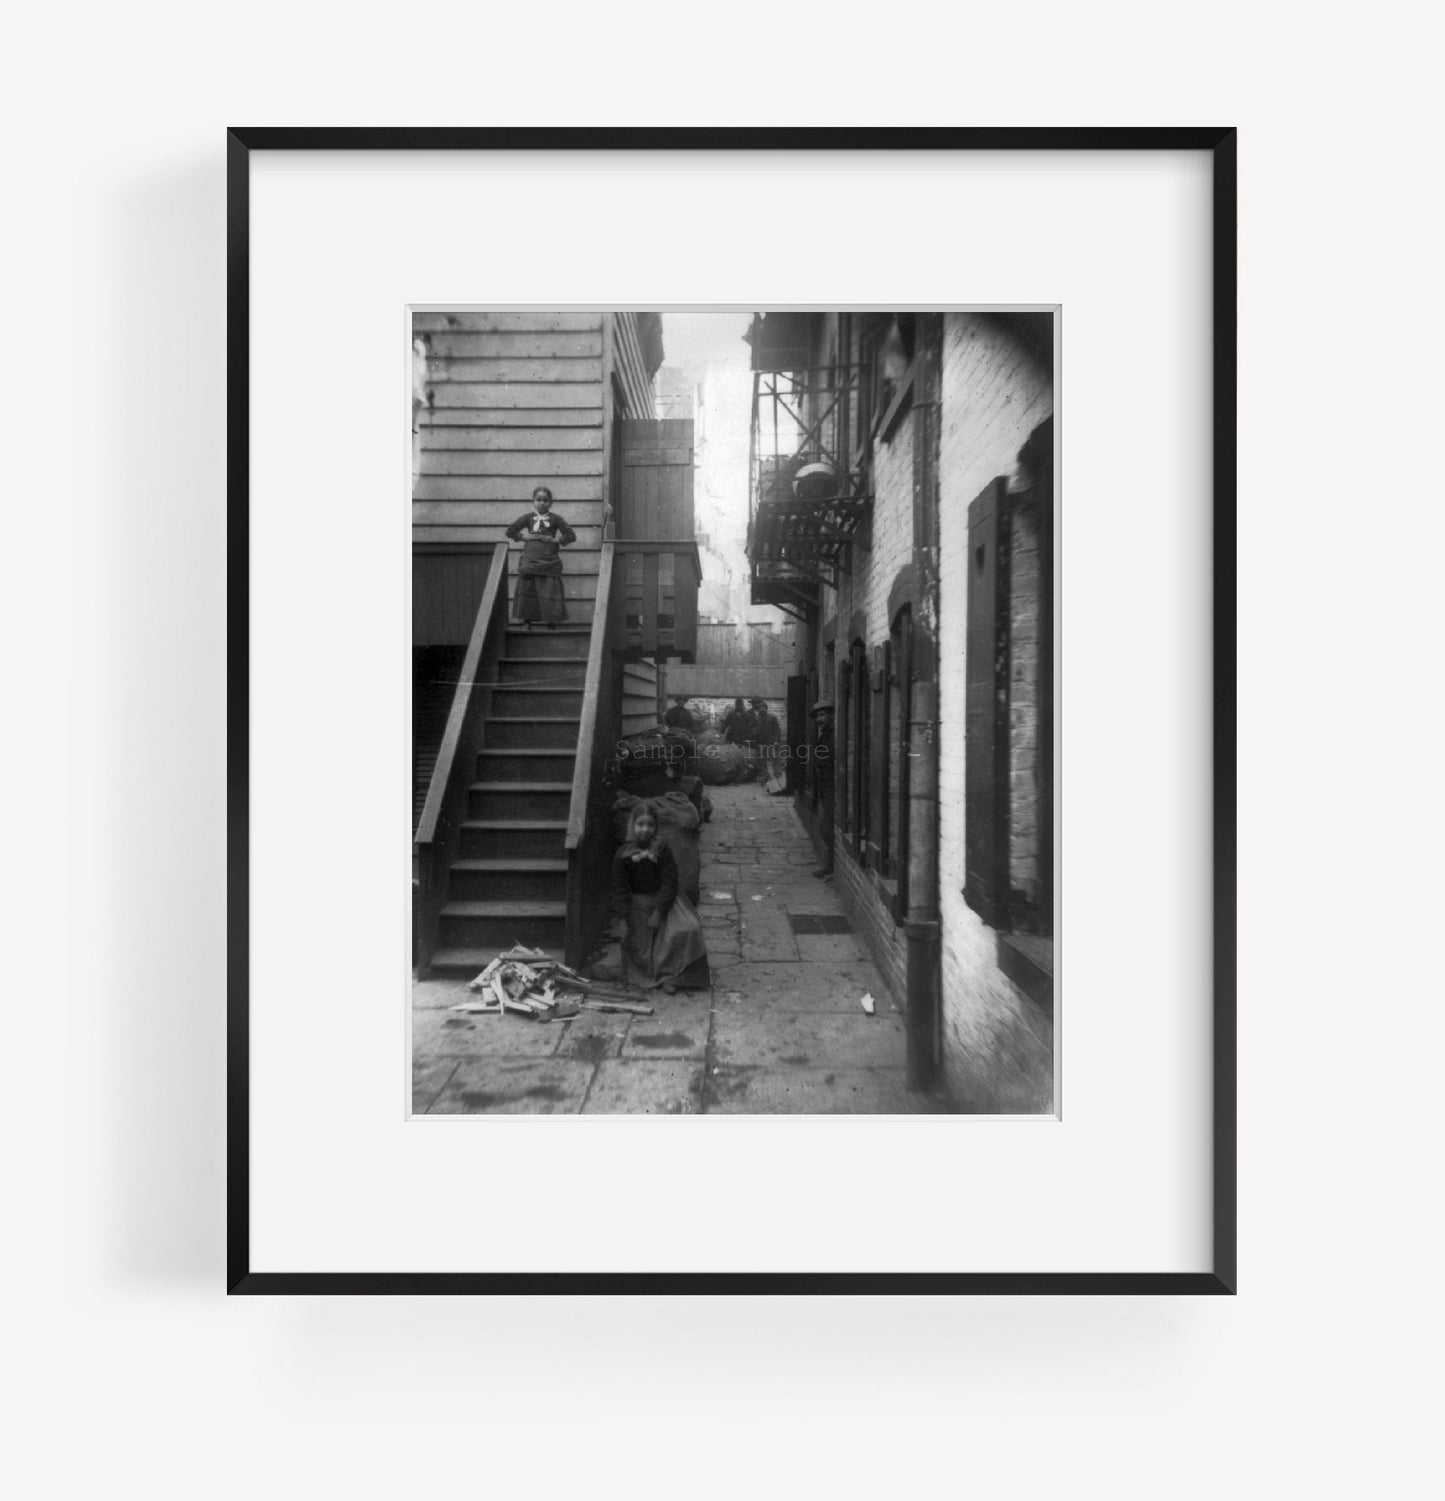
(539, 574)
(662, 942)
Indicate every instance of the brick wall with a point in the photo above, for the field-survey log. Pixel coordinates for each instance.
(884, 546)
(998, 1046)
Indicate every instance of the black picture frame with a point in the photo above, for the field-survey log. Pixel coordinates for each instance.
(1222, 144)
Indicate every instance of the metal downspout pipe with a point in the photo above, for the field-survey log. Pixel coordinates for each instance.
(922, 922)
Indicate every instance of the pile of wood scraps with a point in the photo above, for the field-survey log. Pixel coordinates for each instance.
(527, 982)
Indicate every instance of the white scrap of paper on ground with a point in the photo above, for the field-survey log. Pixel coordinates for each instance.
(867, 1003)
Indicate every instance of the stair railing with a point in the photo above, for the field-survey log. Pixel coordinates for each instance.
(589, 839)
(438, 834)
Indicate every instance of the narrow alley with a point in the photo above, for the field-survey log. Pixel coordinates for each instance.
(783, 1029)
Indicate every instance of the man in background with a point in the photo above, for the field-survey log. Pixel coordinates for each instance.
(678, 717)
(767, 732)
(736, 723)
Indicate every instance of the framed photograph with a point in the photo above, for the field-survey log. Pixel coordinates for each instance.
(788, 579)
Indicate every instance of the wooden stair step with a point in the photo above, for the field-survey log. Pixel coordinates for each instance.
(521, 787)
(505, 909)
(550, 866)
(472, 961)
(514, 823)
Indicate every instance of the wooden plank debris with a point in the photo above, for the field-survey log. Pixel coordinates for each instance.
(528, 982)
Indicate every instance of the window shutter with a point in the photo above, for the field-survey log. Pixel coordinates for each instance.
(986, 710)
(879, 759)
(842, 767)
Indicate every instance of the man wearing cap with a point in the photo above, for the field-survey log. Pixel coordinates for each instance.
(679, 716)
(822, 713)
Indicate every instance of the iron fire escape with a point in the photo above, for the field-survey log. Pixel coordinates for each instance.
(809, 490)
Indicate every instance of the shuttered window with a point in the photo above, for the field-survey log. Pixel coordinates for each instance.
(843, 764)
(859, 737)
(900, 662)
(986, 710)
(880, 855)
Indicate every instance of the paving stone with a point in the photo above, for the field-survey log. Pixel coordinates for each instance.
(446, 1034)
(813, 1091)
(808, 893)
(803, 1039)
(805, 987)
(678, 1030)
(428, 1076)
(766, 934)
(428, 995)
(592, 1036)
(646, 1086)
(839, 948)
(515, 1086)
(787, 1034)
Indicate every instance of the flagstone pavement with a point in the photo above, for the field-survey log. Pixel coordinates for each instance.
(782, 1030)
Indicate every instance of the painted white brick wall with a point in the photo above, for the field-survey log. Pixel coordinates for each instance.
(998, 1049)
(892, 526)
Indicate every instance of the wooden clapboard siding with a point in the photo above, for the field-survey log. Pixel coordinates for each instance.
(492, 371)
(631, 367)
(513, 488)
(639, 697)
(524, 417)
(501, 513)
(517, 441)
(513, 400)
(523, 322)
(494, 461)
(516, 346)
(589, 538)
(484, 395)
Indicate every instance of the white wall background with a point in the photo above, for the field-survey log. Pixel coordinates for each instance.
(134, 1373)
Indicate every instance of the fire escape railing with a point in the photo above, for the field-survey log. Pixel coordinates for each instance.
(808, 489)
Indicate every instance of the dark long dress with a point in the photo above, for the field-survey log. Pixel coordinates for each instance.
(539, 593)
(673, 953)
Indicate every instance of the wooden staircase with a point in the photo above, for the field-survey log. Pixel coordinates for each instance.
(509, 882)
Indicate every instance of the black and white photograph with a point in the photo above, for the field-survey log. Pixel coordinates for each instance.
(732, 707)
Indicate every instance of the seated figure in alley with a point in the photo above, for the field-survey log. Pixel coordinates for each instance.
(662, 941)
(539, 574)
